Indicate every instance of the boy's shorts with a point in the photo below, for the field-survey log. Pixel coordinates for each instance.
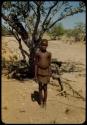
(43, 79)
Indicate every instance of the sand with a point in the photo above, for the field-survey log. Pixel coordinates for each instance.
(17, 105)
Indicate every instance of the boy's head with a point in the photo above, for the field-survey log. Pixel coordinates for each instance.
(44, 44)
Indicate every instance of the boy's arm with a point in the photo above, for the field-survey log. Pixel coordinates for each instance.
(35, 71)
(50, 72)
(36, 60)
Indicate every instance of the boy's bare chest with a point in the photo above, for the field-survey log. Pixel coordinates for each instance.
(43, 56)
(43, 60)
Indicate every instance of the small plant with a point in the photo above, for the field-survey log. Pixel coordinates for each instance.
(18, 69)
(78, 32)
(67, 110)
(53, 122)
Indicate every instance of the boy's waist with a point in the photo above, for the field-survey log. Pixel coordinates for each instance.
(43, 71)
(43, 75)
(44, 68)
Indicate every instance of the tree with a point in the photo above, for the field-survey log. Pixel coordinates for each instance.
(78, 32)
(29, 20)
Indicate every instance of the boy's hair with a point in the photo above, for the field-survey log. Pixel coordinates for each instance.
(44, 42)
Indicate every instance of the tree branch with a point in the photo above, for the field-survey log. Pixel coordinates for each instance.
(23, 52)
(69, 13)
(72, 12)
(22, 11)
(18, 27)
(33, 10)
(49, 13)
(37, 23)
(48, 22)
(57, 9)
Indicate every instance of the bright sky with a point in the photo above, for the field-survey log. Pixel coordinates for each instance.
(70, 22)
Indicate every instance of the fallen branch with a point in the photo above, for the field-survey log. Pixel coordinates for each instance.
(74, 91)
(56, 75)
(65, 92)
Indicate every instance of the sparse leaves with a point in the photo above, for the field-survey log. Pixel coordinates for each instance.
(36, 10)
(56, 31)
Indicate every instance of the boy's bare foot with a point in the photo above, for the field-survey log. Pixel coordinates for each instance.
(44, 104)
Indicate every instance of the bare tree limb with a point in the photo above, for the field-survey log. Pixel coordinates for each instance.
(74, 91)
(33, 10)
(57, 9)
(23, 11)
(46, 22)
(72, 12)
(37, 22)
(23, 52)
(18, 27)
(49, 12)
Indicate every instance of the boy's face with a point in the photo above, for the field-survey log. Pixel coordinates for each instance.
(44, 46)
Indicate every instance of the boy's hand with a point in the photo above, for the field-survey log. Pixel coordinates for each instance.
(35, 78)
(50, 72)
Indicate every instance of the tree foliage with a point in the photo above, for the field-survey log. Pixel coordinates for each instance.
(36, 17)
(78, 32)
(56, 31)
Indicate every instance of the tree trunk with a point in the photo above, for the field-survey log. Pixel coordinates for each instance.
(32, 63)
(35, 46)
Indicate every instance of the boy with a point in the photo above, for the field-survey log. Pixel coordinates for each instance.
(43, 70)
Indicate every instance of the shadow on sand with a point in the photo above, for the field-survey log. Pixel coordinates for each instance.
(35, 97)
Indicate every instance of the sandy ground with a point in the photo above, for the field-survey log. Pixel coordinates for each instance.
(18, 107)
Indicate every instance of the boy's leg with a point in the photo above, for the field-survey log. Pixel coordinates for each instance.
(45, 94)
(40, 93)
